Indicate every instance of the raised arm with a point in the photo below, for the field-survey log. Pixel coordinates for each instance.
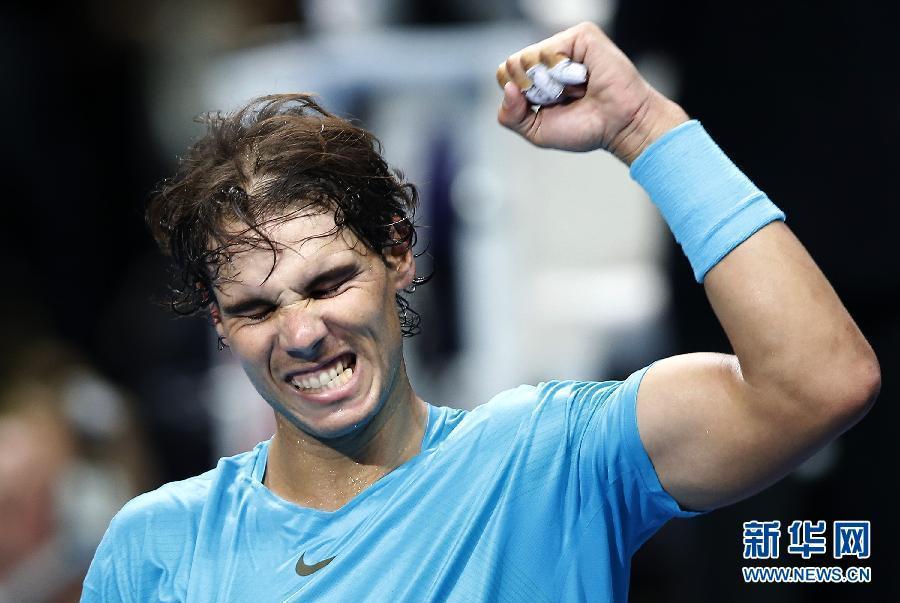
(717, 427)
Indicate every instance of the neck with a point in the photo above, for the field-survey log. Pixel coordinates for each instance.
(326, 474)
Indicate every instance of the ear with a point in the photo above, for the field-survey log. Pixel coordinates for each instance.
(399, 257)
(401, 265)
(215, 316)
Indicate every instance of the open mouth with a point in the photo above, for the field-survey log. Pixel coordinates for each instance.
(334, 374)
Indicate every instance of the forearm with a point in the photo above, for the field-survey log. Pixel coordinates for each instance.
(792, 335)
(721, 428)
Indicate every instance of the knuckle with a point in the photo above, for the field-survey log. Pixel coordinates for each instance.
(501, 75)
(588, 27)
(529, 58)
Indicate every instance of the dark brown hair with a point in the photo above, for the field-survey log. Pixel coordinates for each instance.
(262, 164)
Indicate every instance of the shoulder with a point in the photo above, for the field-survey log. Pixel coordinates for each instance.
(157, 523)
(560, 406)
(149, 545)
(558, 397)
(173, 501)
(175, 508)
(147, 542)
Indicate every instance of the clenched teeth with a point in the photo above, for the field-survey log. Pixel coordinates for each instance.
(327, 379)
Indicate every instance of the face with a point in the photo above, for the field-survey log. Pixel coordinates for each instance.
(319, 337)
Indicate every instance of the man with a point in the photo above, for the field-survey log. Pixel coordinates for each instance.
(292, 232)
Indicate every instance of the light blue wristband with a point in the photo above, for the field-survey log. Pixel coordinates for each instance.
(709, 204)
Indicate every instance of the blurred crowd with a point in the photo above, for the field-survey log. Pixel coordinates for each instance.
(71, 454)
(104, 394)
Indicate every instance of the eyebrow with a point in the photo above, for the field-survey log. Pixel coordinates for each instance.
(246, 306)
(330, 275)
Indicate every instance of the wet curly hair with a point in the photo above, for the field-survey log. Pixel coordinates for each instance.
(262, 164)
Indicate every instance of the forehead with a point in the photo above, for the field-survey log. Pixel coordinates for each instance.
(300, 241)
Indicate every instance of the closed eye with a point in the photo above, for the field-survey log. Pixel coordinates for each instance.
(259, 316)
(328, 291)
(254, 310)
(330, 283)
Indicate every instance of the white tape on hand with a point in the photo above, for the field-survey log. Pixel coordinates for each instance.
(568, 72)
(548, 84)
(544, 90)
(539, 96)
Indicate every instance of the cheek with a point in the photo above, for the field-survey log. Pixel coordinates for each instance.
(250, 343)
(361, 308)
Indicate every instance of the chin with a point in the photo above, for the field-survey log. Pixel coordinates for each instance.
(337, 423)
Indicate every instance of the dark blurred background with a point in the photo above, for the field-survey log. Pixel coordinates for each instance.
(105, 395)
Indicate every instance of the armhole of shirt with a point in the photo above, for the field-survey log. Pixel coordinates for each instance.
(638, 453)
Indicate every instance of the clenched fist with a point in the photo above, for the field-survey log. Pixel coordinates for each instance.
(616, 109)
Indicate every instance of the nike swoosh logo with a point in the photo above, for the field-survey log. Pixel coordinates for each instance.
(307, 570)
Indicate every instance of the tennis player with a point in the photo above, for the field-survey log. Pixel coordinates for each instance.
(293, 235)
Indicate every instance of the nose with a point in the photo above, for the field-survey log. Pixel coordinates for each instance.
(302, 332)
